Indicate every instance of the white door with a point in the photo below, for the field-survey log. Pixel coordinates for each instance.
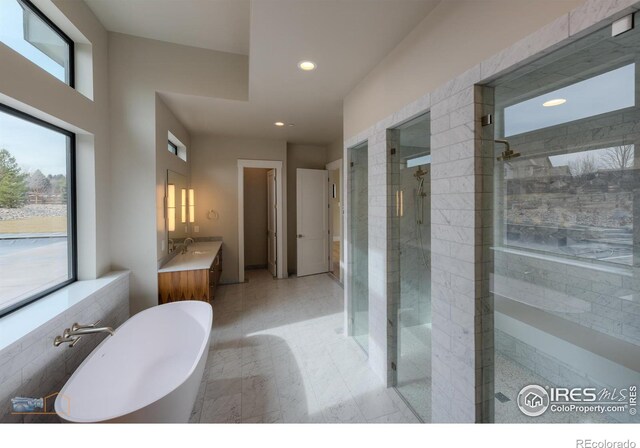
(312, 221)
(272, 205)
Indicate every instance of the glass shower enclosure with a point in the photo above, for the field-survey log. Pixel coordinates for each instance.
(411, 226)
(359, 243)
(566, 244)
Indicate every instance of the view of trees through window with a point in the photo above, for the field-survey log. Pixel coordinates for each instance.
(578, 204)
(19, 188)
(35, 248)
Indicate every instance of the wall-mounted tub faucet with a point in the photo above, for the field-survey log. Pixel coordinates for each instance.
(72, 335)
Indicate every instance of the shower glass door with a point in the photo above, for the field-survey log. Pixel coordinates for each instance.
(412, 162)
(566, 255)
(359, 244)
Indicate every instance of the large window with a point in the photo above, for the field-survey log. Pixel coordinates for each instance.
(37, 209)
(578, 204)
(29, 32)
(572, 189)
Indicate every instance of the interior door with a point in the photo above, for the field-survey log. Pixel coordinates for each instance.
(272, 237)
(312, 202)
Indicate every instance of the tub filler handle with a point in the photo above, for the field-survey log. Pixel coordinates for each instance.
(74, 334)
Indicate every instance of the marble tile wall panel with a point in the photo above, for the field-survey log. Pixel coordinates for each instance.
(588, 16)
(378, 274)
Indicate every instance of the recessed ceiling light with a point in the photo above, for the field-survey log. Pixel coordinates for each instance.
(279, 123)
(306, 65)
(555, 102)
(291, 125)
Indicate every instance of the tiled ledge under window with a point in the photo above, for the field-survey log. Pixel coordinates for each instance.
(29, 363)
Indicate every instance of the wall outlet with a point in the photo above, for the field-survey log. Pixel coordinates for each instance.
(196, 229)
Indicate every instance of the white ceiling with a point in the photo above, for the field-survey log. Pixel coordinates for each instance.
(346, 38)
(221, 25)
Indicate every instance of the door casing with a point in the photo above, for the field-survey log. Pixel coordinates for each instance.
(337, 165)
(272, 207)
(281, 229)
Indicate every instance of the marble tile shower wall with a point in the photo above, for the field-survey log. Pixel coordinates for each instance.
(415, 285)
(456, 244)
(33, 367)
(462, 328)
(379, 210)
(414, 247)
(600, 300)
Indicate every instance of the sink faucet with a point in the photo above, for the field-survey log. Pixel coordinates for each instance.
(72, 335)
(185, 244)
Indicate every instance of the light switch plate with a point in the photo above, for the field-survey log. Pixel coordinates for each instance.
(196, 229)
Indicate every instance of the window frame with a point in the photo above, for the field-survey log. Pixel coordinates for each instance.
(600, 143)
(174, 148)
(72, 231)
(71, 75)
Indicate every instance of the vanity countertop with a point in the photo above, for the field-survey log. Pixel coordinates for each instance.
(199, 256)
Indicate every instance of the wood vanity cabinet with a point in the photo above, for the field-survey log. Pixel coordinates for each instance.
(197, 284)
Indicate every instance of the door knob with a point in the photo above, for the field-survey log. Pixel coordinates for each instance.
(300, 235)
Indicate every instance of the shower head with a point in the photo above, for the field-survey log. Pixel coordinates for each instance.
(419, 174)
(507, 154)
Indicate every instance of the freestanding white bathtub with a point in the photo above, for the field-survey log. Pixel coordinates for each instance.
(149, 371)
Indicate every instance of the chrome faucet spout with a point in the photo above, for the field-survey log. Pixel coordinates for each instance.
(91, 330)
(186, 243)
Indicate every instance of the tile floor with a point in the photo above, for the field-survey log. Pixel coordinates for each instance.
(414, 368)
(278, 355)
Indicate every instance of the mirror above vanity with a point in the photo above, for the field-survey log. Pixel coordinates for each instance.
(177, 217)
